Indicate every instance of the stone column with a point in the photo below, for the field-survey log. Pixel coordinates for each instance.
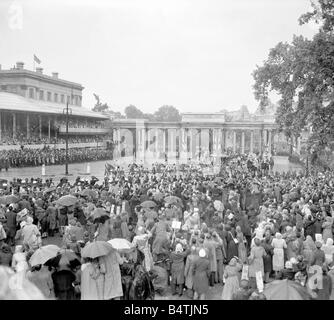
(40, 127)
(234, 141)
(261, 141)
(251, 141)
(163, 141)
(0, 126)
(54, 124)
(14, 125)
(200, 155)
(265, 139)
(269, 141)
(190, 152)
(144, 139)
(49, 129)
(119, 142)
(28, 126)
(225, 135)
(156, 148)
(243, 142)
(183, 145)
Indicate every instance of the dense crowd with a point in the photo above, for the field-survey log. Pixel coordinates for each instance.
(81, 124)
(245, 230)
(22, 140)
(26, 157)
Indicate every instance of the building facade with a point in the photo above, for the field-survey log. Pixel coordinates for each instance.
(201, 136)
(33, 104)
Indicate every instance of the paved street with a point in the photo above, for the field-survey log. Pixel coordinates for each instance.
(97, 169)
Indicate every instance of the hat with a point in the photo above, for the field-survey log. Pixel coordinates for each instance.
(202, 253)
(318, 244)
(179, 248)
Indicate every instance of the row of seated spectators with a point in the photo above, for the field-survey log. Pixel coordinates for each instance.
(81, 124)
(22, 139)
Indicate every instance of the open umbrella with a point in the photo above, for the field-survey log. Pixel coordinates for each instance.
(9, 199)
(67, 201)
(148, 204)
(43, 254)
(173, 200)
(100, 215)
(121, 244)
(89, 193)
(51, 189)
(286, 290)
(96, 249)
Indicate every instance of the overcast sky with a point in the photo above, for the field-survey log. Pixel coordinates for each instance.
(197, 55)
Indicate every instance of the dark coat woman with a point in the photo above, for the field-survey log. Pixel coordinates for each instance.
(177, 268)
(201, 272)
(62, 281)
(232, 247)
(267, 260)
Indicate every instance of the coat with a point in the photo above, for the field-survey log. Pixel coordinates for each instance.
(188, 271)
(210, 246)
(51, 213)
(178, 266)
(43, 281)
(201, 270)
(62, 281)
(92, 282)
(112, 276)
(256, 261)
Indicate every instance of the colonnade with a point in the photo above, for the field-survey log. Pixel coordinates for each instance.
(186, 143)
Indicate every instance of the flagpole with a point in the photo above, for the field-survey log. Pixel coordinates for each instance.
(34, 65)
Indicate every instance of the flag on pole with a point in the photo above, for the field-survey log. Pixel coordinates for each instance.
(36, 59)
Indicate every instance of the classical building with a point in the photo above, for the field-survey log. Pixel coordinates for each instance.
(197, 136)
(33, 103)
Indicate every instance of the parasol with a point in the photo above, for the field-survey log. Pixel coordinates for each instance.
(51, 189)
(89, 193)
(148, 204)
(43, 254)
(96, 249)
(174, 200)
(121, 244)
(67, 201)
(9, 199)
(286, 290)
(100, 215)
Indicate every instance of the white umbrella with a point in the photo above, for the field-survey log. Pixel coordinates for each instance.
(43, 254)
(121, 244)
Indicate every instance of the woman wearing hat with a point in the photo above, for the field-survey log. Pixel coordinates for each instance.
(231, 276)
(327, 229)
(178, 268)
(141, 242)
(256, 259)
(188, 271)
(319, 257)
(201, 273)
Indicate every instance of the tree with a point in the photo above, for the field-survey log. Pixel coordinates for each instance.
(167, 113)
(132, 112)
(302, 74)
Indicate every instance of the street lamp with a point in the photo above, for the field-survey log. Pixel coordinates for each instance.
(66, 111)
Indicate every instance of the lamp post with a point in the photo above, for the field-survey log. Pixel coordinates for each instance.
(66, 111)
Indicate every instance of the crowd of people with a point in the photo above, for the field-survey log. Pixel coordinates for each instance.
(27, 157)
(81, 124)
(242, 230)
(22, 139)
